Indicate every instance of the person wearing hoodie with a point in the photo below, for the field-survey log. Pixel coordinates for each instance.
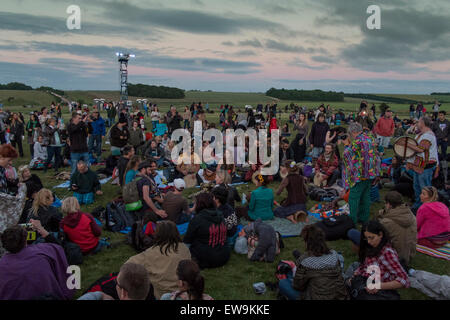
(318, 275)
(207, 234)
(317, 136)
(98, 133)
(81, 227)
(400, 223)
(384, 129)
(433, 220)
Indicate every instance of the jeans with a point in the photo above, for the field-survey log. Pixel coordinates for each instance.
(421, 180)
(102, 243)
(95, 145)
(186, 124)
(285, 287)
(56, 152)
(411, 114)
(75, 157)
(354, 236)
(383, 141)
(359, 201)
(443, 145)
(154, 123)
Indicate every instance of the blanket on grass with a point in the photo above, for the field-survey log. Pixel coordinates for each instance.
(442, 252)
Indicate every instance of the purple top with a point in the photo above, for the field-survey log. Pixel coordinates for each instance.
(36, 270)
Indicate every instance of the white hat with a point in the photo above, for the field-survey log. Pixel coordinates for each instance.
(179, 184)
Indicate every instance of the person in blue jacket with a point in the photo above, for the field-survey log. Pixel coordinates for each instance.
(98, 133)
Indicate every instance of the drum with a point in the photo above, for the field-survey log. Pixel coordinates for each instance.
(401, 148)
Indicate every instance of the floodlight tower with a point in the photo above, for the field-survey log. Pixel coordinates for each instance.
(123, 61)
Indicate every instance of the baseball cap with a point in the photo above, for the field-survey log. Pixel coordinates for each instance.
(179, 184)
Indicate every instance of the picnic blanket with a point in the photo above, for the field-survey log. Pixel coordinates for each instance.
(67, 183)
(442, 252)
(285, 227)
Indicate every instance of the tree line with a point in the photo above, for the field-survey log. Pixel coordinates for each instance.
(305, 95)
(147, 91)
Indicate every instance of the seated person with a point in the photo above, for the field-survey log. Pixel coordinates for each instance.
(148, 191)
(84, 182)
(399, 222)
(81, 227)
(319, 274)
(162, 258)
(261, 201)
(31, 272)
(286, 152)
(155, 152)
(327, 167)
(376, 249)
(32, 181)
(40, 152)
(191, 283)
(399, 130)
(433, 220)
(175, 205)
(296, 188)
(207, 234)
(208, 174)
(110, 163)
(224, 179)
(132, 169)
(132, 283)
(43, 211)
(220, 194)
(187, 167)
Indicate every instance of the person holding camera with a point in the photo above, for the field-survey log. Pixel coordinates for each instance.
(78, 131)
(85, 183)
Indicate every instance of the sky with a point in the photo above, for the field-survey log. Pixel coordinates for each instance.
(229, 45)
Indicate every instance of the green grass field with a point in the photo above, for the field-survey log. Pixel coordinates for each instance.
(234, 280)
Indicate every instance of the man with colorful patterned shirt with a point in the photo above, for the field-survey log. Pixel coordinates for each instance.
(360, 168)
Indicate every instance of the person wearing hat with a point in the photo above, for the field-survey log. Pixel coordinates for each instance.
(295, 185)
(147, 188)
(175, 205)
(119, 134)
(98, 133)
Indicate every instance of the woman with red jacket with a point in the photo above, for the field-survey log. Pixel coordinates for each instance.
(81, 227)
(273, 122)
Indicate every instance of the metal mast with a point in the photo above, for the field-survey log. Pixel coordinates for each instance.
(123, 62)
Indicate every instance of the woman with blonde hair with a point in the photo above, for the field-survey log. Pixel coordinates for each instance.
(43, 211)
(81, 228)
(433, 220)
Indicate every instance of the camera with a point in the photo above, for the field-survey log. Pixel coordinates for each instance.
(343, 136)
(31, 234)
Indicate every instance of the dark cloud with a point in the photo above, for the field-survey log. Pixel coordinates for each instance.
(324, 59)
(297, 62)
(244, 53)
(228, 43)
(284, 47)
(251, 43)
(188, 20)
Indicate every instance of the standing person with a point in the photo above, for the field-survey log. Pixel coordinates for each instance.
(136, 136)
(384, 129)
(54, 144)
(98, 133)
(78, 132)
(16, 133)
(436, 110)
(32, 126)
(207, 234)
(155, 115)
(173, 119)
(187, 118)
(412, 109)
(419, 110)
(317, 136)
(111, 112)
(44, 116)
(119, 134)
(441, 129)
(360, 169)
(425, 161)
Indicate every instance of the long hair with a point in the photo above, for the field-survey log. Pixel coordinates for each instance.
(131, 164)
(304, 123)
(366, 250)
(315, 240)
(189, 272)
(432, 193)
(204, 201)
(167, 237)
(41, 199)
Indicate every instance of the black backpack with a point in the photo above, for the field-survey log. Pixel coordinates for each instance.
(336, 228)
(117, 218)
(316, 193)
(73, 253)
(137, 238)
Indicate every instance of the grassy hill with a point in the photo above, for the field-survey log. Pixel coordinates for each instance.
(20, 98)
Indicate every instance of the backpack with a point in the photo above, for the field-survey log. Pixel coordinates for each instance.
(107, 284)
(336, 227)
(117, 218)
(137, 237)
(130, 191)
(73, 253)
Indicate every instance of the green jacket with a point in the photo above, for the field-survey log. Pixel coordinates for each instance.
(261, 203)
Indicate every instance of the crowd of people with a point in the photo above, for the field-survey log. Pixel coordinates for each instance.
(324, 154)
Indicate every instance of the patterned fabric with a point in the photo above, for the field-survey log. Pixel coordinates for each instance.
(361, 161)
(3, 182)
(389, 264)
(11, 207)
(325, 261)
(327, 167)
(442, 252)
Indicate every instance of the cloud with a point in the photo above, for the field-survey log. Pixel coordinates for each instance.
(283, 47)
(324, 59)
(244, 53)
(251, 43)
(297, 62)
(228, 43)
